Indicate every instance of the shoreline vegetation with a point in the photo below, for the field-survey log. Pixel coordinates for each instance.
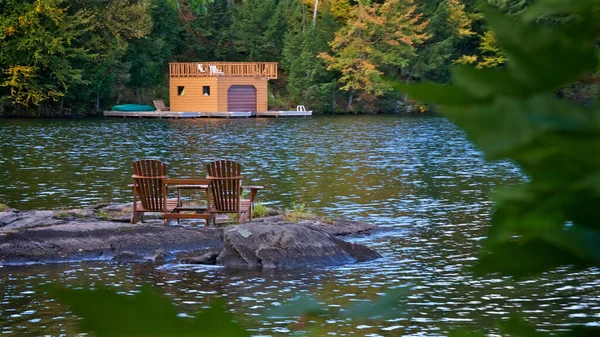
(73, 58)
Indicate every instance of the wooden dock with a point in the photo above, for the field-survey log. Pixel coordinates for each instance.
(284, 114)
(175, 114)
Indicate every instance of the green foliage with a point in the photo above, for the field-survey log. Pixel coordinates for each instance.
(149, 55)
(512, 113)
(84, 55)
(149, 314)
(308, 81)
(298, 212)
(258, 28)
(260, 210)
(198, 6)
(41, 49)
(146, 314)
(67, 51)
(4, 207)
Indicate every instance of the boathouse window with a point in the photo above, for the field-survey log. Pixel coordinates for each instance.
(180, 90)
(206, 90)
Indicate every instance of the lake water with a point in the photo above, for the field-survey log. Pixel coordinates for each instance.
(418, 178)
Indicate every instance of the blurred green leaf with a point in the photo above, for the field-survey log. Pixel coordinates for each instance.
(521, 259)
(517, 327)
(386, 306)
(147, 314)
(583, 331)
(437, 93)
(505, 126)
(465, 333)
(488, 82)
(540, 57)
(303, 305)
(550, 7)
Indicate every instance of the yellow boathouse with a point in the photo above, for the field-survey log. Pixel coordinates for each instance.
(220, 86)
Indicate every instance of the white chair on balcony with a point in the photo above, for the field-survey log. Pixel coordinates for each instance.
(201, 69)
(214, 71)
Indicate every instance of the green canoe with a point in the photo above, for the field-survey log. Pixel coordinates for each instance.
(133, 107)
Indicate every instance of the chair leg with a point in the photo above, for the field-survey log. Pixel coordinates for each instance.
(242, 217)
(137, 217)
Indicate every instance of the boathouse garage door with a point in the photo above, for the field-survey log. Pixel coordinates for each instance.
(241, 98)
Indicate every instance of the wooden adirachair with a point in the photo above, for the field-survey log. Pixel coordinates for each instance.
(160, 105)
(226, 187)
(150, 186)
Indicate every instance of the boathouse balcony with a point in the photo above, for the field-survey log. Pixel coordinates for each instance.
(266, 70)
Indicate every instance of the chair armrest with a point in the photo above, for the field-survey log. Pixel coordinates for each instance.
(253, 187)
(253, 191)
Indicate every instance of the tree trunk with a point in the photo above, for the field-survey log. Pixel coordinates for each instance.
(315, 12)
(350, 97)
(137, 92)
(97, 100)
(62, 105)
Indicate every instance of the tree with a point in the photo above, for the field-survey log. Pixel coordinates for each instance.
(488, 53)
(114, 24)
(307, 77)
(41, 50)
(149, 56)
(258, 28)
(375, 38)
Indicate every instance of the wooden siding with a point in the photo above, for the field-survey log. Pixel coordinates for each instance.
(259, 83)
(223, 69)
(193, 99)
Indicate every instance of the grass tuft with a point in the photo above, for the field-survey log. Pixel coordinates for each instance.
(260, 211)
(299, 212)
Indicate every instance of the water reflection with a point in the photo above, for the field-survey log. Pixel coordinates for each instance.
(418, 178)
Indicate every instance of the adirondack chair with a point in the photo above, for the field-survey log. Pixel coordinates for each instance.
(160, 105)
(150, 186)
(226, 187)
(214, 71)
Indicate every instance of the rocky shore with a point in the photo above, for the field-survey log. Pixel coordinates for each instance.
(103, 233)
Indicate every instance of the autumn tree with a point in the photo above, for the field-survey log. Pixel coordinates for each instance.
(488, 53)
(376, 38)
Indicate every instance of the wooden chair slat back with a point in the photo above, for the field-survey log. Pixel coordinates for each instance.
(160, 105)
(148, 178)
(226, 184)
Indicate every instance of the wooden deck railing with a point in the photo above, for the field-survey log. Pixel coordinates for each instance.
(228, 69)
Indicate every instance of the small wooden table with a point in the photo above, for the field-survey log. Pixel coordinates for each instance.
(189, 184)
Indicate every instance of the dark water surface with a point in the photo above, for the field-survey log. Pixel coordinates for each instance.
(419, 178)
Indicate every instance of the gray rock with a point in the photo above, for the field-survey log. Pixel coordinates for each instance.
(208, 258)
(160, 257)
(270, 242)
(340, 226)
(97, 240)
(25, 219)
(288, 245)
(127, 257)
